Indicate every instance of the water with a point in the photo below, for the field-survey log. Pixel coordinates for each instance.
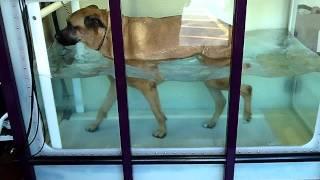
(280, 109)
(269, 53)
(281, 71)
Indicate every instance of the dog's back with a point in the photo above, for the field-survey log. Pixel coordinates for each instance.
(173, 37)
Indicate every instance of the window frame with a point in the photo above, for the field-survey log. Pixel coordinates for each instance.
(126, 159)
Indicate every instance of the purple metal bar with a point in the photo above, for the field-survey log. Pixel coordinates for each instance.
(121, 84)
(239, 21)
(12, 103)
(176, 159)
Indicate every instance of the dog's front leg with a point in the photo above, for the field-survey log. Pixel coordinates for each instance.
(215, 88)
(220, 103)
(106, 106)
(150, 92)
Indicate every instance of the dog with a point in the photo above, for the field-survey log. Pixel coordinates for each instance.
(148, 42)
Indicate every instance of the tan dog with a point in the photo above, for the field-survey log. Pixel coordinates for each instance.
(147, 42)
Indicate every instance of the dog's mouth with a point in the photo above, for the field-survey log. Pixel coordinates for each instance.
(66, 38)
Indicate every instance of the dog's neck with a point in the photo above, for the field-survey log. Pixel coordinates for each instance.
(103, 39)
(106, 42)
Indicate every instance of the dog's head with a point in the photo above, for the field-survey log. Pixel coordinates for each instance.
(87, 25)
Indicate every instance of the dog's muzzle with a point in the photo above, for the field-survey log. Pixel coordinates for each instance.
(66, 38)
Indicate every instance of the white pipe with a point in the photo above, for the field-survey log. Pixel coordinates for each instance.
(51, 8)
(5, 116)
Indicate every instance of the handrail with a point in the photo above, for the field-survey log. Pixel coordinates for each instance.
(52, 7)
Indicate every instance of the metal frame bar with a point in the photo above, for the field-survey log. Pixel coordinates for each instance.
(51, 8)
(318, 44)
(121, 85)
(13, 105)
(42, 61)
(153, 160)
(239, 20)
(293, 17)
(76, 82)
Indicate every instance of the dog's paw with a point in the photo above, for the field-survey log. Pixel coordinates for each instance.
(91, 128)
(159, 133)
(209, 124)
(247, 116)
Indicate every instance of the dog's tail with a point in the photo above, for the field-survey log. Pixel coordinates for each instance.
(245, 67)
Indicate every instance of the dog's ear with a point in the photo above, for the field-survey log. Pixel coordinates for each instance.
(93, 6)
(93, 22)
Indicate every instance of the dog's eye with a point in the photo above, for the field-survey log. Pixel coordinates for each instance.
(76, 27)
(70, 26)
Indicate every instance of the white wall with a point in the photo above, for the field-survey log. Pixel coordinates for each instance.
(310, 2)
(267, 14)
(100, 3)
(261, 14)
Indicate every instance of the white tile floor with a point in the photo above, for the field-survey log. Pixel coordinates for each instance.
(183, 131)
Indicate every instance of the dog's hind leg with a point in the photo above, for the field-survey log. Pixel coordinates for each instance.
(150, 92)
(219, 100)
(215, 87)
(106, 106)
(246, 93)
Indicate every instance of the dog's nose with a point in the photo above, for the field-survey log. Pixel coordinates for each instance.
(57, 35)
(65, 38)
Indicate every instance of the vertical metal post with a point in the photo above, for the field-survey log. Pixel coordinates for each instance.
(43, 68)
(13, 106)
(318, 44)
(235, 83)
(76, 82)
(121, 84)
(293, 16)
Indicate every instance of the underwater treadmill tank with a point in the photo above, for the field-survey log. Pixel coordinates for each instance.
(177, 60)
